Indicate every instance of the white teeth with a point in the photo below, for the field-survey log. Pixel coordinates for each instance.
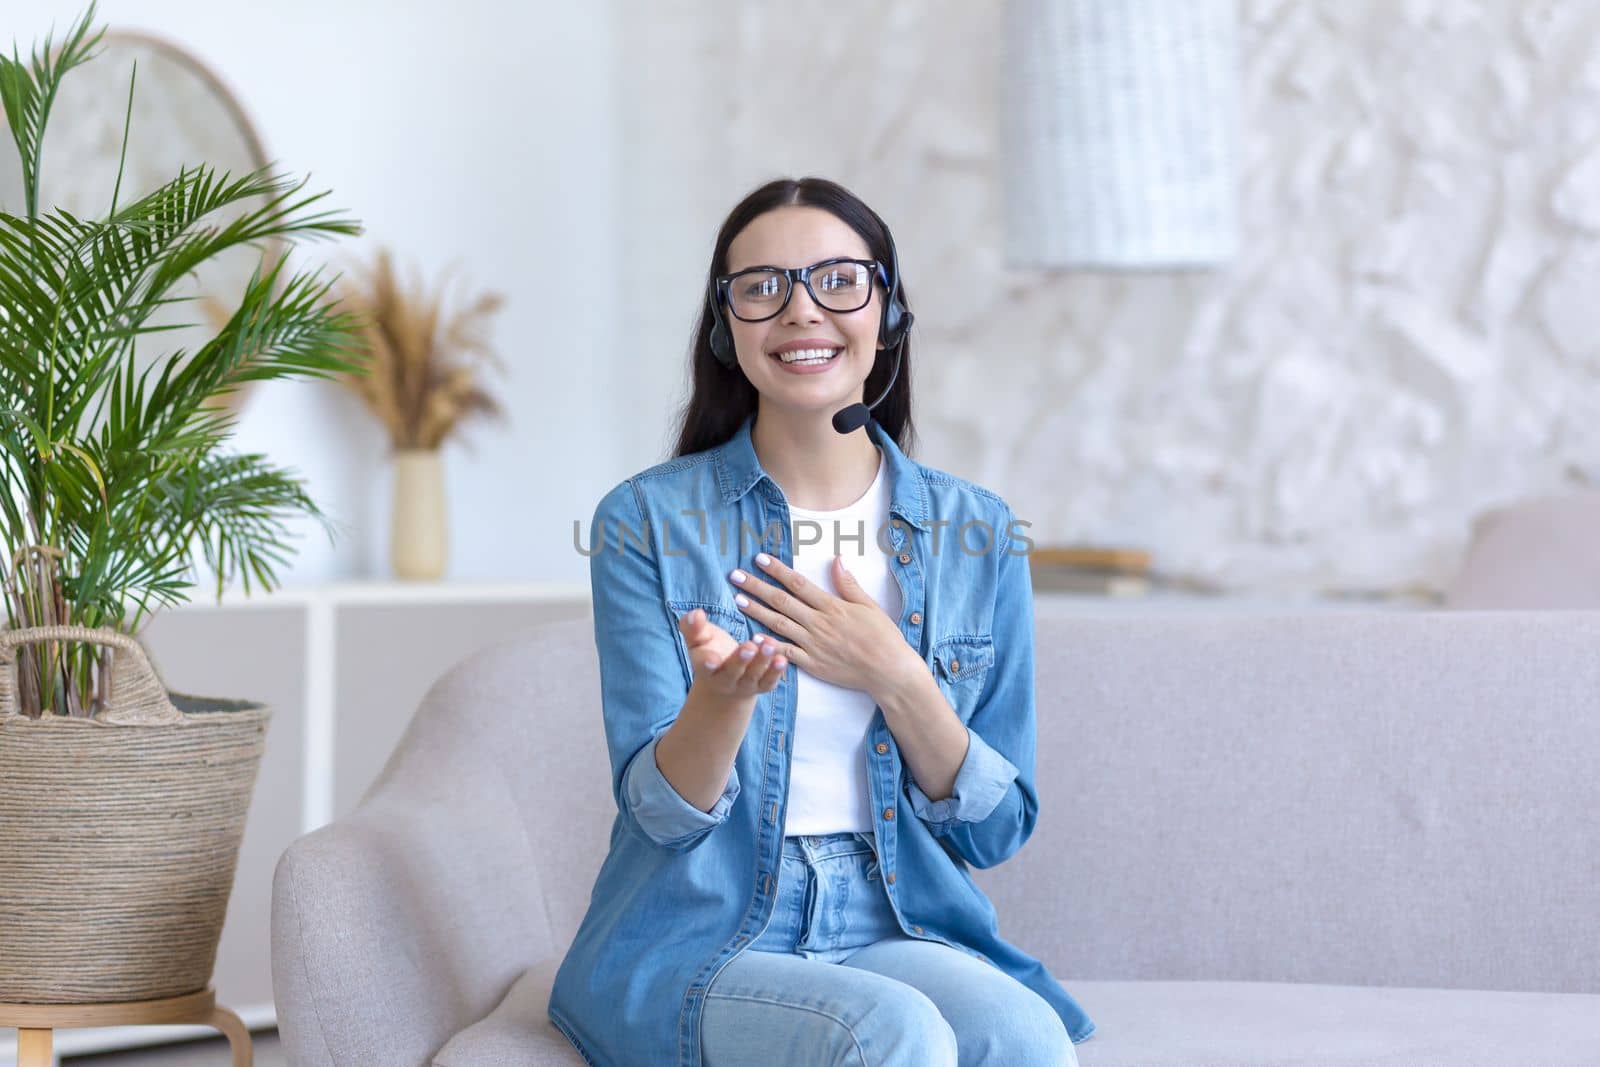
(809, 355)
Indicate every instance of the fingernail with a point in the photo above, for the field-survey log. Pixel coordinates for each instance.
(741, 600)
(763, 559)
(738, 576)
(746, 653)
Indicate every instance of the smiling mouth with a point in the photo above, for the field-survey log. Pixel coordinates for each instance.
(807, 355)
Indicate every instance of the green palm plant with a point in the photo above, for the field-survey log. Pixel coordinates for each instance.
(115, 478)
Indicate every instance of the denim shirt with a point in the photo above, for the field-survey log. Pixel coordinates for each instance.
(683, 891)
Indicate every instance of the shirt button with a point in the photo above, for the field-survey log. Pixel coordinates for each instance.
(916, 617)
(955, 665)
(888, 813)
(916, 929)
(882, 748)
(889, 877)
(905, 557)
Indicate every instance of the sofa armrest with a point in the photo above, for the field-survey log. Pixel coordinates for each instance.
(395, 927)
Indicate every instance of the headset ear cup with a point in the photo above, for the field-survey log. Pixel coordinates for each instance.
(889, 321)
(721, 343)
(899, 327)
(896, 323)
(892, 331)
(896, 320)
(720, 348)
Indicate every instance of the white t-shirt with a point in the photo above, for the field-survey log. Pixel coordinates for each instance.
(828, 764)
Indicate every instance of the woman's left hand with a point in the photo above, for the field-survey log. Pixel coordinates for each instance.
(846, 639)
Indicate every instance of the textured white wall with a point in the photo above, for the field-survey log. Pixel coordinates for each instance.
(1407, 336)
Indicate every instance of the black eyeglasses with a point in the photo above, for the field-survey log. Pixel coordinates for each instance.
(756, 294)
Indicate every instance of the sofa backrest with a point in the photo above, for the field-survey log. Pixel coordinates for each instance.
(1383, 798)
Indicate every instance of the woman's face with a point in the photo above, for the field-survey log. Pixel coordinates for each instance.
(796, 236)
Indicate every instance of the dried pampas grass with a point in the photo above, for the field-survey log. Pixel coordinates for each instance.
(422, 380)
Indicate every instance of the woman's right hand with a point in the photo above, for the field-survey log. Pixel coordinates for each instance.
(725, 667)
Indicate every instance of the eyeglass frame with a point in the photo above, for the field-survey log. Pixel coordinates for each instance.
(802, 275)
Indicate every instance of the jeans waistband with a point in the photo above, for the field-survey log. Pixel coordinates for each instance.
(821, 846)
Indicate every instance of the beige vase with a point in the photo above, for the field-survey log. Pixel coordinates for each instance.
(418, 535)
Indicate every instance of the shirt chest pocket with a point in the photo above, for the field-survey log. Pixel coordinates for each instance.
(961, 663)
(726, 616)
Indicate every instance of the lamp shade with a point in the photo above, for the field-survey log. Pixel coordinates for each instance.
(1119, 124)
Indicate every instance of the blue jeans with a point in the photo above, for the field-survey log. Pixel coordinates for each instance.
(834, 980)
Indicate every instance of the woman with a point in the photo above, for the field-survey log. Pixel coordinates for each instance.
(816, 667)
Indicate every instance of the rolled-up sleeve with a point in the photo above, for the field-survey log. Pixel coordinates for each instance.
(661, 810)
(981, 784)
(994, 805)
(644, 675)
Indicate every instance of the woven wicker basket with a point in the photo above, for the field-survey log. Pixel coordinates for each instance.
(118, 834)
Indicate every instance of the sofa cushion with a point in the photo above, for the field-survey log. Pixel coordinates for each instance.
(1257, 1024)
(517, 1033)
(1201, 1024)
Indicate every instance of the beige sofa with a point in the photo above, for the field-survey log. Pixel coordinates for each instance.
(1329, 839)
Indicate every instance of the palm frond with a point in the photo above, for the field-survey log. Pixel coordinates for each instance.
(114, 479)
(29, 91)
